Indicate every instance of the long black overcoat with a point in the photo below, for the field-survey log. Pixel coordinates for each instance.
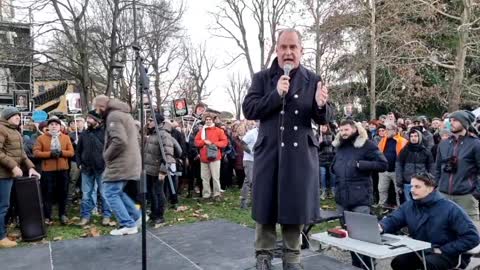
(286, 170)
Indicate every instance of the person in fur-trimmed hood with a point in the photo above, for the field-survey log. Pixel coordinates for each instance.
(356, 159)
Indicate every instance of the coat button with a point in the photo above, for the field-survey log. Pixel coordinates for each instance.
(282, 112)
(296, 111)
(295, 128)
(283, 144)
(282, 128)
(295, 96)
(295, 144)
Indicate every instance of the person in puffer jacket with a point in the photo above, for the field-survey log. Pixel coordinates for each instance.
(432, 218)
(413, 159)
(156, 166)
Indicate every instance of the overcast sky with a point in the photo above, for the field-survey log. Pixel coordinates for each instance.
(196, 22)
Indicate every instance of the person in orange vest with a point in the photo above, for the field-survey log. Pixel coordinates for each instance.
(391, 145)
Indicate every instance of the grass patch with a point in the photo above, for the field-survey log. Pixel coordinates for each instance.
(190, 210)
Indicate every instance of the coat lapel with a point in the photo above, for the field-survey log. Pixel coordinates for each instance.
(300, 82)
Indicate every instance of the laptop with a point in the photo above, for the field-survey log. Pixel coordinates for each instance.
(364, 227)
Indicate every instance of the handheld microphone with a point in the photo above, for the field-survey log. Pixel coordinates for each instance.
(287, 68)
(286, 71)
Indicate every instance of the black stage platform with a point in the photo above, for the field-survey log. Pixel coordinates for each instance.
(207, 245)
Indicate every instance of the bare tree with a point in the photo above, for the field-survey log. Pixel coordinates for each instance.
(236, 90)
(76, 35)
(162, 30)
(199, 67)
(230, 24)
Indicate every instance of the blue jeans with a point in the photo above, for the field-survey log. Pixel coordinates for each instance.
(90, 183)
(326, 177)
(122, 206)
(5, 189)
(406, 192)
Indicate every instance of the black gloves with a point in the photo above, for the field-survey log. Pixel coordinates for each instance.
(55, 153)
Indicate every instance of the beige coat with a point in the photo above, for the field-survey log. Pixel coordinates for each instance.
(122, 152)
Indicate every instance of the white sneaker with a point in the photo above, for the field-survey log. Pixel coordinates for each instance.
(124, 231)
(139, 222)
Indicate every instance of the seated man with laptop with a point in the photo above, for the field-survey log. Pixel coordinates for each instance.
(432, 218)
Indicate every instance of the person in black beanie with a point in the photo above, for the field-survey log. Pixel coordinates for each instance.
(458, 165)
(91, 164)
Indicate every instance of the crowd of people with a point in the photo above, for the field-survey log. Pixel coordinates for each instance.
(294, 155)
(89, 160)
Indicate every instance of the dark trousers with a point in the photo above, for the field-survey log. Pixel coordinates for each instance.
(172, 198)
(157, 196)
(240, 174)
(376, 195)
(194, 175)
(226, 173)
(434, 262)
(54, 187)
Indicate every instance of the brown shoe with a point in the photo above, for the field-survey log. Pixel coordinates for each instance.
(7, 243)
(83, 222)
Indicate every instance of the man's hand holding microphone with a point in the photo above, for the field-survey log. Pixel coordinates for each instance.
(284, 82)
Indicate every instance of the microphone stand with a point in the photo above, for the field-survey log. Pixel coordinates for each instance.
(143, 84)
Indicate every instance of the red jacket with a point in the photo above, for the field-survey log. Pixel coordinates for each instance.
(216, 136)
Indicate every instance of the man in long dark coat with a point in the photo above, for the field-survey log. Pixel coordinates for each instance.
(285, 173)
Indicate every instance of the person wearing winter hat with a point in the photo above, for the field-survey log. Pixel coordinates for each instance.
(54, 148)
(12, 159)
(458, 165)
(466, 118)
(90, 161)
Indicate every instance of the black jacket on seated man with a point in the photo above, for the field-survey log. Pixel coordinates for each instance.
(439, 221)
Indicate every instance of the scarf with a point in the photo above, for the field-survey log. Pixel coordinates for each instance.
(55, 143)
(204, 131)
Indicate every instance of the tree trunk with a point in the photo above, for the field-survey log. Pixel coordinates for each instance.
(454, 96)
(157, 89)
(373, 60)
(113, 49)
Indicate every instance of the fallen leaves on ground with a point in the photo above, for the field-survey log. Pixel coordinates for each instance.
(57, 238)
(94, 232)
(181, 208)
